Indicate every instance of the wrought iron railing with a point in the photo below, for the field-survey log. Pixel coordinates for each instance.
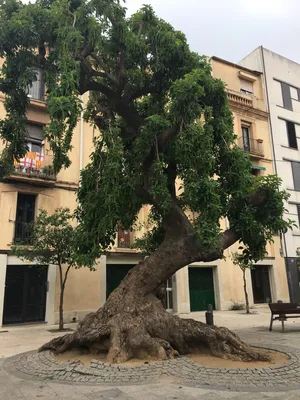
(23, 232)
(35, 165)
(252, 146)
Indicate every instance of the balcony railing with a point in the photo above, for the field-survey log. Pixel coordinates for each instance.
(23, 232)
(240, 98)
(252, 146)
(124, 239)
(35, 165)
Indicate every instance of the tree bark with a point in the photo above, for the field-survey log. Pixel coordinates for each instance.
(246, 292)
(61, 296)
(133, 322)
(61, 300)
(61, 309)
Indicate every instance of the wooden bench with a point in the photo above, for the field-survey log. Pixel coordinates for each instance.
(284, 311)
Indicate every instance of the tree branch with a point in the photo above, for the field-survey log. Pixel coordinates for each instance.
(130, 115)
(165, 136)
(105, 68)
(66, 275)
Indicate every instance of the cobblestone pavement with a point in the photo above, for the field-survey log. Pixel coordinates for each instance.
(183, 370)
(35, 375)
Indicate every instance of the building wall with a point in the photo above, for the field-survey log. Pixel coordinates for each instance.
(227, 276)
(279, 69)
(83, 286)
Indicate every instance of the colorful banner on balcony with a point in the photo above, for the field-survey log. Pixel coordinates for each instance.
(31, 160)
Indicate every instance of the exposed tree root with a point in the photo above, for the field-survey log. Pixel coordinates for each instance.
(147, 331)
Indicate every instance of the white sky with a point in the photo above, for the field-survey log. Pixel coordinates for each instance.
(231, 29)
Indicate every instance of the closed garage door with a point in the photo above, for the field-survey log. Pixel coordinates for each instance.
(201, 285)
(115, 273)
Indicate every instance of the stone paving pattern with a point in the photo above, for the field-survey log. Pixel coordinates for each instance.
(15, 384)
(44, 366)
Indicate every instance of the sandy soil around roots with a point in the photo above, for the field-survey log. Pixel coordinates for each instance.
(277, 358)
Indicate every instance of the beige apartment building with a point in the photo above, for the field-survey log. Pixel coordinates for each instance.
(30, 294)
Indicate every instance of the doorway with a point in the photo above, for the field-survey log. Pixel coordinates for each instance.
(202, 293)
(261, 284)
(25, 294)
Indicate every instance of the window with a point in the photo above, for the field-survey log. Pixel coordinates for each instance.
(291, 132)
(37, 89)
(286, 96)
(35, 138)
(246, 86)
(24, 215)
(246, 137)
(296, 174)
(298, 211)
(34, 158)
(124, 239)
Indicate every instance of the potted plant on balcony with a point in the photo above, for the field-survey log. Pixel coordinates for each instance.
(48, 171)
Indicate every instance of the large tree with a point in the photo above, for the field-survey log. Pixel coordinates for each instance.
(163, 119)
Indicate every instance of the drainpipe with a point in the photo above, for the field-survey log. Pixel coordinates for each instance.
(81, 138)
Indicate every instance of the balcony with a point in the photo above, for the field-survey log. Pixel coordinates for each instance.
(23, 233)
(35, 165)
(240, 98)
(252, 146)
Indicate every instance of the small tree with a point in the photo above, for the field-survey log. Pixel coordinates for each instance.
(244, 262)
(53, 241)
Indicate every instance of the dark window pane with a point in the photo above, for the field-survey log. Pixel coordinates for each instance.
(286, 96)
(298, 211)
(246, 138)
(36, 148)
(296, 174)
(24, 215)
(298, 90)
(291, 131)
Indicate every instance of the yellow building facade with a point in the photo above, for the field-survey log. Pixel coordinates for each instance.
(32, 294)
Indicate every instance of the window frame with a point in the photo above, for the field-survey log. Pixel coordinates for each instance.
(291, 134)
(293, 165)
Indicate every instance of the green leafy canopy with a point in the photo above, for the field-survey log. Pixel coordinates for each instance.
(53, 240)
(161, 114)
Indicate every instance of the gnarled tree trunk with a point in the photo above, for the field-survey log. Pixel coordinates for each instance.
(134, 323)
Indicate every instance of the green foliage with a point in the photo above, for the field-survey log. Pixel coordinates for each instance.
(150, 241)
(243, 259)
(236, 306)
(161, 113)
(54, 240)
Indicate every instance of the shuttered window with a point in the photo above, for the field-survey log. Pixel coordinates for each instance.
(246, 86)
(291, 132)
(35, 132)
(296, 174)
(286, 96)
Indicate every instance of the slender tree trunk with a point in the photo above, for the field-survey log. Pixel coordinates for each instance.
(245, 291)
(61, 300)
(61, 296)
(61, 309)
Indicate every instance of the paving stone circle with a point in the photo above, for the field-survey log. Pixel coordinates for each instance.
(182, 370)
